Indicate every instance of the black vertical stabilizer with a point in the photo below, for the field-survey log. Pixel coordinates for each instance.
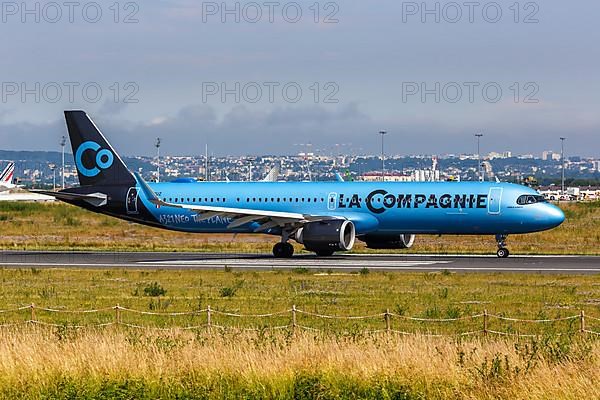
(97, 162)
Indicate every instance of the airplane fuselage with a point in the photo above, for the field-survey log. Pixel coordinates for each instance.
(375, 208)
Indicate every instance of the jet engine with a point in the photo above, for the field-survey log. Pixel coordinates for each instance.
(328, 236)
(404, 241)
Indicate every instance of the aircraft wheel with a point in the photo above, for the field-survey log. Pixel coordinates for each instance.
(283, 250)
(289, 250)
(503, 252)
(279, 250)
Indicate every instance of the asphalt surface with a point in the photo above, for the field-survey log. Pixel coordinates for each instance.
(346, 262)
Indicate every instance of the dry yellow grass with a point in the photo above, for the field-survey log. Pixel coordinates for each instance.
(39, 362)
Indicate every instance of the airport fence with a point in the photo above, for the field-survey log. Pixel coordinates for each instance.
(208, 319)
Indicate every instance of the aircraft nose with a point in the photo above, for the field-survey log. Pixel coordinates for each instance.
(555, 216)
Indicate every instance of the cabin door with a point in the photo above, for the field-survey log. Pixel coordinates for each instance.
(332, 201)
(131, 203)
(494, 200)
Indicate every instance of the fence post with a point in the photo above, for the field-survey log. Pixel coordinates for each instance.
(294, 318)
(117, 314)
(208, 318)
(582, 321)
(388, 324)
(485, 322)
(32, 312)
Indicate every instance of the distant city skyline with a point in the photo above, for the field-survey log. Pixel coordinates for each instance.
(35, 168)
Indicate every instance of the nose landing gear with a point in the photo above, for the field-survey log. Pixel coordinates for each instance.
(502, 250)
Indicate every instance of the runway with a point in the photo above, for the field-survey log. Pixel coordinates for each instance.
(338, 263)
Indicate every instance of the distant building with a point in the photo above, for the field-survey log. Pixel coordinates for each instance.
(389, 177)
(419, 175)
(549, 155)
(494, 154)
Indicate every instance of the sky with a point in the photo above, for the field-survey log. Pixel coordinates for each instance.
(271, 77)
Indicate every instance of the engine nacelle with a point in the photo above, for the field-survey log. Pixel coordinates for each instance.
(335, 234)
(404, 241)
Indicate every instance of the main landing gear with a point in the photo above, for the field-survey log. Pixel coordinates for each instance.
(283, 250)
(502, 250)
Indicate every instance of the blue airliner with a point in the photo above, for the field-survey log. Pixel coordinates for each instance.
(325, 217)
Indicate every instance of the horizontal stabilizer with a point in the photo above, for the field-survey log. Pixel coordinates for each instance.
(95, 199)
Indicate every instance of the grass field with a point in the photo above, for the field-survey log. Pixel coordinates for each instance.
(339, 362)
(423, 295)
(125, 365)
(62, 227)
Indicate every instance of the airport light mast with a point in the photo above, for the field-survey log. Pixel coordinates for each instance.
(382, 133)
(250, 160)
(562, 161)
(478, 136)
(63, 142)
(206, 173)
(157, 145)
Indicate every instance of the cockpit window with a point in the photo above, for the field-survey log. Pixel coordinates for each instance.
(531, 199)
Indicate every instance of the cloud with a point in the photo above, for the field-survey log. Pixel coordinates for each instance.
(245, 130)
(241, 130)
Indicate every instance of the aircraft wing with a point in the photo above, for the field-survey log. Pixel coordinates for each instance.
(267, 219)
